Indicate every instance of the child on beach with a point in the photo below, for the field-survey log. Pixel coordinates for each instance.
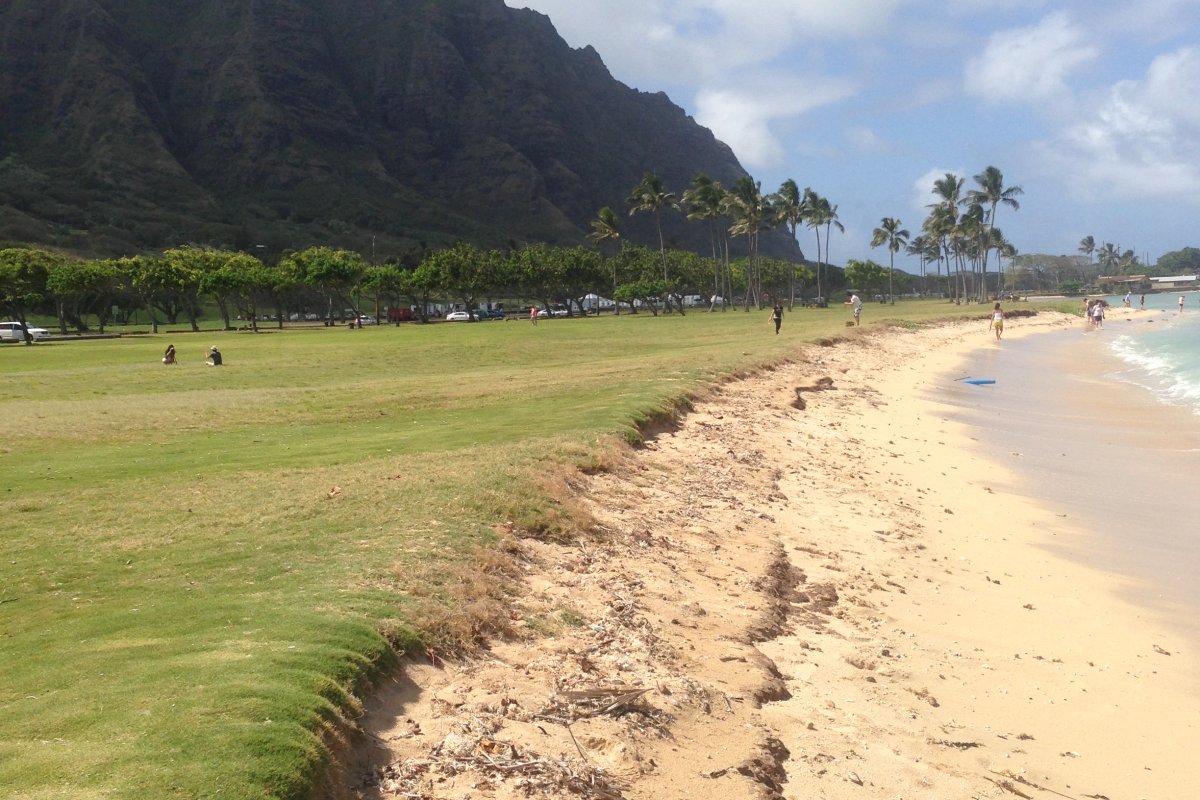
(998, 320)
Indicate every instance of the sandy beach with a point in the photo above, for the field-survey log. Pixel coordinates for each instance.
(826, 582)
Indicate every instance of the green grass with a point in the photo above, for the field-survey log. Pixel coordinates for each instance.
(199, 566)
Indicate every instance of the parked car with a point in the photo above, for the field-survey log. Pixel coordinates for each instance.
(367, 320)
(15, 332)
(458, 316)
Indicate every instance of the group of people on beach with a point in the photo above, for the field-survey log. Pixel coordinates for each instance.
(213, 359)
(1093, 312)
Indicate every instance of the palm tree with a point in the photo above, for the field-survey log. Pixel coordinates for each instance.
(890, 233)
(1109, 257)
(751, 212)
(789, 209)
(1087, 246)
(605, 229)
(925, 248)
(650, 195)
(706, 200)
(818, 212)
(943, 217)
(991, 194)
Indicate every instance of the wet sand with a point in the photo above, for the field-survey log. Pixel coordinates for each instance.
(1104, 453)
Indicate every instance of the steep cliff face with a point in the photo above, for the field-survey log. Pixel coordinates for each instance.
(136, 124)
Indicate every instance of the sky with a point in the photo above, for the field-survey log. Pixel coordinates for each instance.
(1092, 107)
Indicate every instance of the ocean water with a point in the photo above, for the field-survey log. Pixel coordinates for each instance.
(1163, 356)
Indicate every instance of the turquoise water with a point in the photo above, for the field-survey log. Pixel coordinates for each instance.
(1164, 357)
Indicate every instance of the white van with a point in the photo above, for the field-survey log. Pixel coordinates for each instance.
(15, 332)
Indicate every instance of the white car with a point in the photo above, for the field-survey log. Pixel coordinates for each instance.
(458, 316)
(15, 332)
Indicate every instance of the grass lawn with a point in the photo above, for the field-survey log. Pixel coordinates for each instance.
(201, 565)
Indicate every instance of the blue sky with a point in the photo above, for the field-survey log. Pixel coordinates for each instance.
(1093, 108)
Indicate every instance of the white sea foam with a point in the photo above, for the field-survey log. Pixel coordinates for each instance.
(1165, 361)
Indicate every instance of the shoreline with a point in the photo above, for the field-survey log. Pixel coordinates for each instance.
(820, 585)
(1105, 453)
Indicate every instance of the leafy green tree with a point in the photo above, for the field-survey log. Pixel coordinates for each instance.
(161, 285)
(241, 281)
(86, 287)
(866, 276)
(23, 276)
(457, 272)
(647, 291)
(891, 234)
(189, 267)
(1179, 262)
(335, 273)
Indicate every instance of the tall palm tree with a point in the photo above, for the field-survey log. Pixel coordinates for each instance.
(752, 213)
(819, 213)
(706, 201)
(943, 217)
(789, 210)
(890, 233)
(651, 195)
(1109, 257)
(1087, 246)
(925, 248)
(606, 228)
(991, 194)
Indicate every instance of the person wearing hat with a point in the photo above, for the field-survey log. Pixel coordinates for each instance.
(214, 357)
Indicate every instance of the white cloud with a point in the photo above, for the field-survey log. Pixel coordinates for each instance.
(1030, 64)
(867, 140)
(742, 115)
(1142, 141)
(922, 188)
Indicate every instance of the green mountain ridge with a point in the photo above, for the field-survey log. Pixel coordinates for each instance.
(132, 125)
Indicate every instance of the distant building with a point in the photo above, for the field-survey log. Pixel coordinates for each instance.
(1174, 282)
(1119, 284)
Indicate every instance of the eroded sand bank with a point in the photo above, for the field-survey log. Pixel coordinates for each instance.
(817, 587)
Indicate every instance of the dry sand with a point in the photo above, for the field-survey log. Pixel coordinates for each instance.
(810, 589)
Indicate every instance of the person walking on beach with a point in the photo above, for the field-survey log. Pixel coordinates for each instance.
(856, 301)
(1128, 295)
(1143, 303)
(1180, 304)
(777, 317)
(1098, 315)
(998, 320)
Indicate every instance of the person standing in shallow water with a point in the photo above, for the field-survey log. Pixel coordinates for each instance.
(777, 317)
(998, 320)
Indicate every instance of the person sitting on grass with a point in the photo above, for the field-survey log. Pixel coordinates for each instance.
(214, 357)
(169, 355)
